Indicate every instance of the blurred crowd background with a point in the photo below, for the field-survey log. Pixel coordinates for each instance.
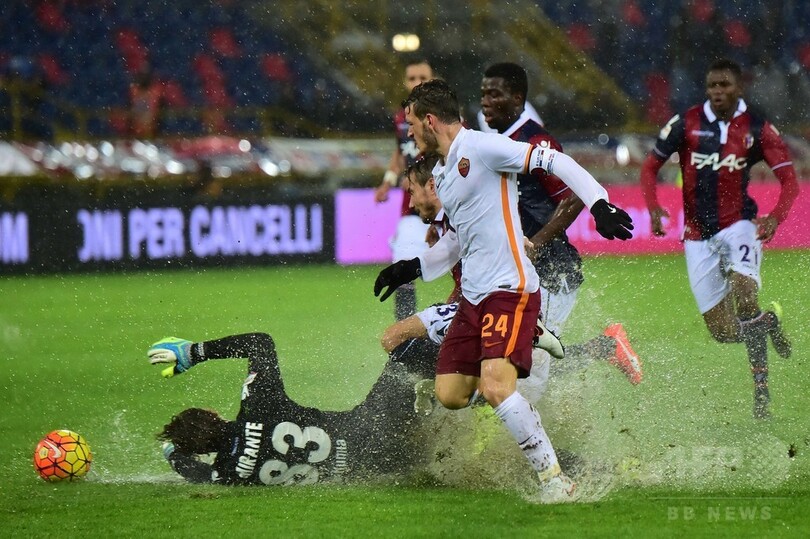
(151, 69)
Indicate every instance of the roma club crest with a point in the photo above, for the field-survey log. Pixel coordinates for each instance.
(464, 167)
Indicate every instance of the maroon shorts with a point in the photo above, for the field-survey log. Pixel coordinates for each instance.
(502, 325)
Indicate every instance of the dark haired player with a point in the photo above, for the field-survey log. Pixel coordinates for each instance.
(547, 208)
(434, 321)
(489, 343)
(276, 441)
(409, 239)
(718, 142)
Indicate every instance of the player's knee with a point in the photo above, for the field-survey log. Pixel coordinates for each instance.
(450, 398)
(494, 393)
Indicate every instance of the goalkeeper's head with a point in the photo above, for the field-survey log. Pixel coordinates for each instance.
(195, 431)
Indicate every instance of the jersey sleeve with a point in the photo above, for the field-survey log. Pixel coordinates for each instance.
(502, 154)
(569, 171)
(668, 142)
(776, 154)
(439, 259)
(190, 468)
(669, 138)
(554, 187)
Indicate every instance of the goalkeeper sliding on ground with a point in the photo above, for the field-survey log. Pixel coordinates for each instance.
(276, 441)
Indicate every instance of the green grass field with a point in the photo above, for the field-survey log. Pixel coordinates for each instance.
(678, 455)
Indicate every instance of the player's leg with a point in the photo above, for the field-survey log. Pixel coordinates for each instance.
(522, 420)
(408, 242)
(754, 333)
(455, 391)
(711, 289)
(553, 313)
(506, 342)
(612, 346)
(744, 258)
(780, 340)
(725, 276)
(418, 356)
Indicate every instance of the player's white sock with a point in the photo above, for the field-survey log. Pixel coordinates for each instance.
(523, 421)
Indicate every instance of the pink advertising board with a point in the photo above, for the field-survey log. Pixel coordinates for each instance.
(793, 233)
(363, 228)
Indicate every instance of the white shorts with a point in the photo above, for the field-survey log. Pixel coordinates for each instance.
(708, 262)
(409, 239)
(554, 310)
(533, 387)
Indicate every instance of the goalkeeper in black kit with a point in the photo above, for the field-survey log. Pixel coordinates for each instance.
(276, 441)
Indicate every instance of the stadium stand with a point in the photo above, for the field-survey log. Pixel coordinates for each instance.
(253, 67)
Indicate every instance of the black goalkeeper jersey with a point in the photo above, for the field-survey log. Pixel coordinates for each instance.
(276, 441)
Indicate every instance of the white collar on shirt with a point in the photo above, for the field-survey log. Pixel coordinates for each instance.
(711, 116)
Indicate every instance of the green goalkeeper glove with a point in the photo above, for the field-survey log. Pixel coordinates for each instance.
(171, 350)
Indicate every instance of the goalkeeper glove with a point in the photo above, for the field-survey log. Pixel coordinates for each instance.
(396, 275)
(611, 221)
(168, 450)
(171, 350)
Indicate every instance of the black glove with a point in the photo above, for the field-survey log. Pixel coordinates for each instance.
(396, 275)
(611, 221)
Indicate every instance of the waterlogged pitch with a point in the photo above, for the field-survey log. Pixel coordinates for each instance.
(677, 455)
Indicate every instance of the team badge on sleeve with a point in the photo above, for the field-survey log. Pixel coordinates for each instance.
(664, 133)
(464, 167)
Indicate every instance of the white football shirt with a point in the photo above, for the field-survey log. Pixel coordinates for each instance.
(477, 187)
(478, 190)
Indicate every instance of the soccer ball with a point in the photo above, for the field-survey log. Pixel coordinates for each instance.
(62, 455)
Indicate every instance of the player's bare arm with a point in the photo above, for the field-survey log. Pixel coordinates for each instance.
(565, 214)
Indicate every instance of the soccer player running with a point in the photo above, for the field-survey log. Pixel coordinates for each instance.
(276, 441)
(432, 323)
(547, 208)
(718, 142)
(409, 238)
(489, 343)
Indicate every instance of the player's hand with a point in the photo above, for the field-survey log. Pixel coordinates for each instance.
(657, 216)
(530, 248)
(168, 450)
(173, 352)
(611, 221)
(432, 236)
(396, 275)
(381, 193)
(766, 228)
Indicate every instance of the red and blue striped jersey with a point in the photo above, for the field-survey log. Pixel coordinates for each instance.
(716, 158)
